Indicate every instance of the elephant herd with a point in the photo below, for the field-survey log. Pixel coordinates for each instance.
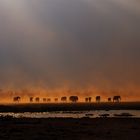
(98, 99)
(72, 99)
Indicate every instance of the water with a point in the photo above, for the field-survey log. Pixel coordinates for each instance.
(76, 114)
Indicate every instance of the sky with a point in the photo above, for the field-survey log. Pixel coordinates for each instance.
(85, 47)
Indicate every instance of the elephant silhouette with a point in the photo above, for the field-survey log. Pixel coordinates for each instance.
(37, 99)
(88, 99)
(56, 99)
(64, 99)
(98, 99)
(117, 98)
(17, 99)
(44, 99)
(31, 99)
(109, 99)
(73, 99)
(48, 99)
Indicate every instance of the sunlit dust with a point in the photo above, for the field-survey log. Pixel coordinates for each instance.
(8, 95)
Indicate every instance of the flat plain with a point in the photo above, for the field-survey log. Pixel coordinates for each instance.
(69, 129)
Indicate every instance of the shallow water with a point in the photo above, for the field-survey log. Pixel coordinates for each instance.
(76, 114)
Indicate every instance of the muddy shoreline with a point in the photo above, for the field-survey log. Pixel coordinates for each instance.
(69, 129)
(68, 107)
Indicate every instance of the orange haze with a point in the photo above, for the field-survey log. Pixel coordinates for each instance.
(127, 95)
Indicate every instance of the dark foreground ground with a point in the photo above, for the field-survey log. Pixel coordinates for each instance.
(18, 107)
(70, 129)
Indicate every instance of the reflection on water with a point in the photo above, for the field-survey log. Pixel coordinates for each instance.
(76, 114)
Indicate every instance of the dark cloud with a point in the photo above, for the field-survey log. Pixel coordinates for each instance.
(75, 44)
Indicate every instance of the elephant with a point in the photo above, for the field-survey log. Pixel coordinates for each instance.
(88, 99)
(98, 99)
(63, 99)
(17, 99)
(56, 99)
(109, 99)
(44, 99)
(73, 99)
(31, 99)
(49, 100)
(117, 98)
(37, 99)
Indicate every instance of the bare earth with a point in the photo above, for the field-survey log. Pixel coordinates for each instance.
(69, 129)
(43, 107)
